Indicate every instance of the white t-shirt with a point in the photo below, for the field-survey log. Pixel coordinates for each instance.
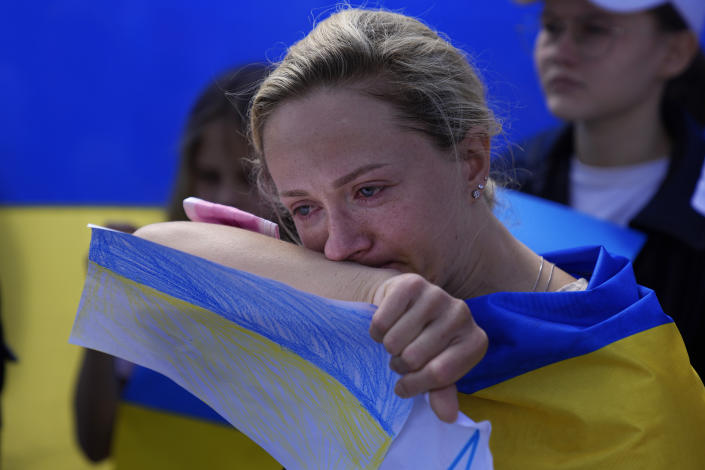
(698, 200)
(616, 193)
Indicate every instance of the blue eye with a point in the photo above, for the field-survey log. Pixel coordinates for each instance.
(302, 211)
(369, 191)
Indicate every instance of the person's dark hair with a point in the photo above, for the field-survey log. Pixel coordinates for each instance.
(686, 91)
(227, 97)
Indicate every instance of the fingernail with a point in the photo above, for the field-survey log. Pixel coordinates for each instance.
(400, 390)
(397, 365)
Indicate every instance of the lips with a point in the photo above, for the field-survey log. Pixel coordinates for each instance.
(562, 83)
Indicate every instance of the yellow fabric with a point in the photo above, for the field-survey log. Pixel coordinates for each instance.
(626, 406)
(154, 440)
(43, 253)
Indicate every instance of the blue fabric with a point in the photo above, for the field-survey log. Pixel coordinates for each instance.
(526, 217)
(672, 260)
(532, 330)
(154, 390)
(290, 314)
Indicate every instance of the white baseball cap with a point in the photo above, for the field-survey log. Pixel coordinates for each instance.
(692, 11)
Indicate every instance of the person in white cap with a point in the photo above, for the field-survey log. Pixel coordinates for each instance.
(628, 79)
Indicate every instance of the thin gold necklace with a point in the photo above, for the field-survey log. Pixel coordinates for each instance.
(538, 278)
(550, 276)
(533, 289)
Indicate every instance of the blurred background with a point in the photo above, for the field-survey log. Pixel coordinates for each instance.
(94, 96)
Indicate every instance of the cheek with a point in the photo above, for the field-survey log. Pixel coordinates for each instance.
(400, 226)
(312, 239)
(540, 59)
(205, 190)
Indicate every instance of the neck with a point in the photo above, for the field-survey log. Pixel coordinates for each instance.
(499, 263)
(634, 136)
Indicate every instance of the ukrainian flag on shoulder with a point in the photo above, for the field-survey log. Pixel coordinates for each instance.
(595, 379)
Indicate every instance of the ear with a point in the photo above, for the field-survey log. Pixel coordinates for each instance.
(474, 152)
(681, 49)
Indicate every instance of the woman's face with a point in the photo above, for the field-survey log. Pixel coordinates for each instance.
(362, 188)
(592, 63)
(219, 173)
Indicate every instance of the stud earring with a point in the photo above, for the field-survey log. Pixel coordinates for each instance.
(480, 187)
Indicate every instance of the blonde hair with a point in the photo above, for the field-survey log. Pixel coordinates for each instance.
(428, 81)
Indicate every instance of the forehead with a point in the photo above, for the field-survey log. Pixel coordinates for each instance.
(574, 8)
(327, 110)
(339, 130)
(329, 120)
(221, 143)
(585, 11)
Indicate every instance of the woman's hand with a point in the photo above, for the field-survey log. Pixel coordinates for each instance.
(432, 337)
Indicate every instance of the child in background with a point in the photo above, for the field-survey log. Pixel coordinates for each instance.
(176, 430)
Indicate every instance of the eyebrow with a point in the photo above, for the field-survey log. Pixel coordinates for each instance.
(589, 16)
(343, 180)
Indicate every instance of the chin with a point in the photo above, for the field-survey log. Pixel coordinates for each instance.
(567, 110)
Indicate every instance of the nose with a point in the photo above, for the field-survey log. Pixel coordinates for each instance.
(556, 46)
(347, 238)
(564, 48)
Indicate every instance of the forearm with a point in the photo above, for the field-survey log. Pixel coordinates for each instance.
(264, 256)
(431, 335)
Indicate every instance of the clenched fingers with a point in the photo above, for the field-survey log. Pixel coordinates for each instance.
(446, 368)
(394, 299)
(416, 346)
